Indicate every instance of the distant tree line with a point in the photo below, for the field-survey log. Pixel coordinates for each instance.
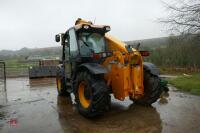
(181, 51)
(25, 53)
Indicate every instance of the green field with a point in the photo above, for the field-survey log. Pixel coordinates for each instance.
(189, 83)
(16, 67)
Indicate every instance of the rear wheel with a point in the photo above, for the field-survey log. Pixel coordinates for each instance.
(61, 86)
(152, 89)
(92, 95)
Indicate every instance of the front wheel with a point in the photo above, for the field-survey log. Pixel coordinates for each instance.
(92, 95)
(60, 83)
(152, 89)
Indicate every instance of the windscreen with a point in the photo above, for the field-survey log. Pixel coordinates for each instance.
(91, 43)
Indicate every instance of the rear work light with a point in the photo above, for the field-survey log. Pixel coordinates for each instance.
(144, 53)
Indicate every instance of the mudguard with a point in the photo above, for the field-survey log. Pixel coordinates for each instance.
(94, 68)
(152, 68)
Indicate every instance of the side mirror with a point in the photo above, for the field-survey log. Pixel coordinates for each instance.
(57, 38)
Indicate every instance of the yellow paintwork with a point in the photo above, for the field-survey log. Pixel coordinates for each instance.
(124, 79)
(80, 22)
(84, 102)
(59, 84)
(125, 69)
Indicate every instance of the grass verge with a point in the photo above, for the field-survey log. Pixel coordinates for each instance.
(187, 83)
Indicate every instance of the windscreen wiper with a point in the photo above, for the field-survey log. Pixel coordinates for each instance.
(86, 44)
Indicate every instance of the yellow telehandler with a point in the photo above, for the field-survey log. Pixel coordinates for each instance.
(95, 64)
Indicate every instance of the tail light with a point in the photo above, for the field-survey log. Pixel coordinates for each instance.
(101, 55)
(97, 55)
(144, 53)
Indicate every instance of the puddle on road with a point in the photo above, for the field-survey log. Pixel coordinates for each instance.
(36, 106)
(121, 118)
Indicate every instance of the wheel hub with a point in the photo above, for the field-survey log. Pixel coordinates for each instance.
(84, 94)
(87, 93)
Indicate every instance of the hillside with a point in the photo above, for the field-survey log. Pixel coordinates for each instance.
(151, 43)
(30, 52)
(56, 51)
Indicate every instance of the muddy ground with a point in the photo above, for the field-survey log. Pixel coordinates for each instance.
(34, 107)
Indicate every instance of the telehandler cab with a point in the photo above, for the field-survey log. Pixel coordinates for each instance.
(95, 64)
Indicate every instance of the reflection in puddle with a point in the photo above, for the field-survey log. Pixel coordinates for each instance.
(118, 119)
(163, 98)
(3, 94)
(41, 82)
(37, 105)
(163, 101)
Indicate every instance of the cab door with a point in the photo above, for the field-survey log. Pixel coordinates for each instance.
(71, 53)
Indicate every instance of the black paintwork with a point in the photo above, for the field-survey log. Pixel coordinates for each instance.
(78, 62)
(94, 68)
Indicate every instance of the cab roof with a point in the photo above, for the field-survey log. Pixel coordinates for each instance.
(80, 23)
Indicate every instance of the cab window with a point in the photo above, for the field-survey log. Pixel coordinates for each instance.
(73, 43)
(91, 43)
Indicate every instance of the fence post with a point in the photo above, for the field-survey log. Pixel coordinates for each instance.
(4, 65)
(3, 73)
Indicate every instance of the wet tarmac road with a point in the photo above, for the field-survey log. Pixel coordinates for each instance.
(33, 106)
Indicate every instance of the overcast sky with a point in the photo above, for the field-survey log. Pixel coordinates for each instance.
(34, 23)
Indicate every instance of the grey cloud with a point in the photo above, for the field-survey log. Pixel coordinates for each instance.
(33, 23)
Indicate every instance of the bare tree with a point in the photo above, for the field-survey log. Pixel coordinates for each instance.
(184, 16)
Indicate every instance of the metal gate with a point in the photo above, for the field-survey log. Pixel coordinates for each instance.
(3, 93)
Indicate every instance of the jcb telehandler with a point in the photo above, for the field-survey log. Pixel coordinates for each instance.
(95, 64)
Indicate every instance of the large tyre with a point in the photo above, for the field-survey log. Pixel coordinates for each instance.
(61, 84)
(91, 95)
(152, 89)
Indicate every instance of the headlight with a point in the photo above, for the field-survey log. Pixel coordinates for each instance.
(107, 28)
(86, 27)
